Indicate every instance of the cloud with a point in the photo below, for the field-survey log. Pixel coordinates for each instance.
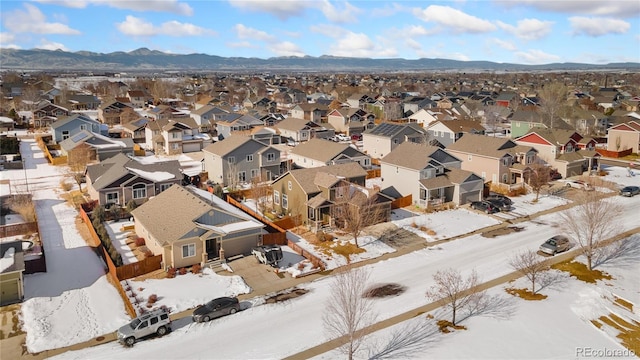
(138, 27)
(34, 21)
(528, 29)
(244, 32)
(242, 44)
(616, 8)
(413, 44)
(170, 6)
(49, 45)
(360, 45)
(285, 9)
(389, 10)
(329, 30)
(456, 20)
(6, 37)
(347, 14)
(418, 30)
(286, 48)
(504, 44)
(595, 26)
(535, 57)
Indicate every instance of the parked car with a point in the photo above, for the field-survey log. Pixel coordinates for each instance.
(556, 244)
(555, 175)
(579, 184)
(630, 191)
(216, 308)
(501, 204)
(154, 322)
(268, 254)
(342, 137)
(356, 137)
(501, 197)
(485, 206)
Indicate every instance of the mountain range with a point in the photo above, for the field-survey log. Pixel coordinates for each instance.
(144, 59)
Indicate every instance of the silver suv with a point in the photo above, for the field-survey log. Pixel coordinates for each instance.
(154, 322)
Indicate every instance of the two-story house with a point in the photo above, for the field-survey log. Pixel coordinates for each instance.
(429, 174)
(47, 113)
(83, 102)
(321, 152)
(95, 146)
(239, 159)
(174, 136)
(109, 112)
(68, 126)
(449, 131)
(226, 124)
(350, 121)
(384, 137)
(624, 136)
(119, 179)
(204, 116)
(495, 159)
(310, 111)
(165, 112)
(300, 130)
(138, 98)
(136, 130)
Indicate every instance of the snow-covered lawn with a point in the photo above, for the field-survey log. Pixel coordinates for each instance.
(445, 224)
(118, 237)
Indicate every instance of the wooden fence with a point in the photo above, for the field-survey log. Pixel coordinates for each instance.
(274, 239)
(614, 154)
(317, 263)
(402, 202)
(18, 229)
(271, 227)
(373, 173)
(138, 268)
(60, 160)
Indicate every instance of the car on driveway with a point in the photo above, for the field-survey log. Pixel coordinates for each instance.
(484, 206)
(556, 244)
(500, 204)
(579, 184)
(342, 137)
(500, 197)
(268, 254)
(216, 308)
(630, 191)
(153, 322)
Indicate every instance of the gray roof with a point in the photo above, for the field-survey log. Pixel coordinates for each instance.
(95, 140)
(110, 170)
(324, 150)
(228, 145)
(416, 156)
(488, 146)
(389, 129)
(136, 124)
(449, 178)
(67, 119)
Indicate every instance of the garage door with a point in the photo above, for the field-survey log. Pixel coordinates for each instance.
(191, 147)
(469, 197)
(10, 292)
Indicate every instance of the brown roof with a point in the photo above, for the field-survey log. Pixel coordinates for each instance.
(410, 155)
(292, 123)
(488, 146)
(306, 177)
(321, 150)
(224, 147)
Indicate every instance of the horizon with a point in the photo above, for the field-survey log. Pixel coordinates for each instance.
(522, 32)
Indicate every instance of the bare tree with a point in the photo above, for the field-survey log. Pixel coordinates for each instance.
(232, 176)
(454, 291)
(260, 192)
(354, 209)
(589, 223)
(553, 97)
(529, 264)
(538, 177)
(77, 161)
(348, 312)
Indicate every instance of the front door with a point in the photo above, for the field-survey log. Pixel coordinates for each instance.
(212, 248)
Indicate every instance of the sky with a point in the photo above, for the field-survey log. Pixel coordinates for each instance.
(505, 31)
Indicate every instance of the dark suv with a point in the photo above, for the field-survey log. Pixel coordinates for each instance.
(485, 206)
(216, 308)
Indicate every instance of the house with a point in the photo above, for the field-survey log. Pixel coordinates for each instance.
(11, 272)
(238, 159)
(47, 113)
(414, 104)
(174, 136)
(83, 102)
(423, 117)
(68, 126)
(298, 129)
(522, 121)
(507, 99)
(495, 159)
(310, 193)
(310, 111)
(359, 101)
(624, 136)
(350, 121)
(429, 174)
(449, 131)
(561, 150)
(99, 147)
(384, 137)
(119, 179)
(136, 130)
(109, 112)
(165, 112)
(228, 123)
(320, 152)
(138, 98)
(201, 228)
(204, 116)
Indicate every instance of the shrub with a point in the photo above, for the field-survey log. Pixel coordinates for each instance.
(98, 214)
(140, 241)
(66, 186)
(183, 271)
(300, 266)
(131, 205)
(152, 299)
(147, 253)
(23, 205)
(195, 269)
(171, 273)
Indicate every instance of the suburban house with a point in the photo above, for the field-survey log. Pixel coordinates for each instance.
(239, 159)
(310, 111)
(310, 193)
(204, 116)
(202, 227)
(320, 152)
(384, 137)
(495, 159)
(561, 150)
(174, 136)
(166, 112)
(94, 146)
(47, 113)
(359, 101)
(429, 174)
(423, 117)
(138, 98)
(298, 129)
(228, 123)
(119, 179)
(11, 272)
(350, 121)
(507, 99)
(135, 130)
(83, 102)
(522, 121)
(448, 132)
(68, 126)
(109, 112)
(624, 136)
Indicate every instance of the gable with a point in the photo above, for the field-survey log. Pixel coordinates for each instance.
(534, 138)
(623, 127)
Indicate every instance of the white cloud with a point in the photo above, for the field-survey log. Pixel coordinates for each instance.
(528, 29)
(286, 48)
(329, 30)
(33, 21)
(242, 44)
(618, 8)
(360, 45)
(389, 10)
(171, 6)
(50, 45)
(535, 57)
(244, 32)
(595, 26)
(418, 30)
(456, 20)
(504, 44)
(413, 44)
(347, 14)
(6, 37)
(285, 9)
(138, 27)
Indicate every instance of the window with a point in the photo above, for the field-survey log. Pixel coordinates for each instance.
(143, 325)
(175, 146)
(311, 214)
(112, 198)
(164, 187)
(249, 158)
(139, 191)
(289, 186)
(504, 178)
(231, 159)
(188, 250)
(271, 157)
(506, 161)
(484, 175)
(175, 135)
(83, 127)
(153, 320)
(242, 176)
(65, 134)
(285, 201)
(366, 162)
(276, 197)
(254, 173)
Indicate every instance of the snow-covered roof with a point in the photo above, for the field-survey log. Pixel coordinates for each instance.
(155, 176)
(7, 260)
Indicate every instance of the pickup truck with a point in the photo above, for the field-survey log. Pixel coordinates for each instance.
(268, 254)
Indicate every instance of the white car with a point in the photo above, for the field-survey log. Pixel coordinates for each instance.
(342, 137)
(579, 184)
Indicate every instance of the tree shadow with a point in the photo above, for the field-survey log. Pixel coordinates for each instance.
(494, 306)
(552, 279)
(622, 253)
(408, 341)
